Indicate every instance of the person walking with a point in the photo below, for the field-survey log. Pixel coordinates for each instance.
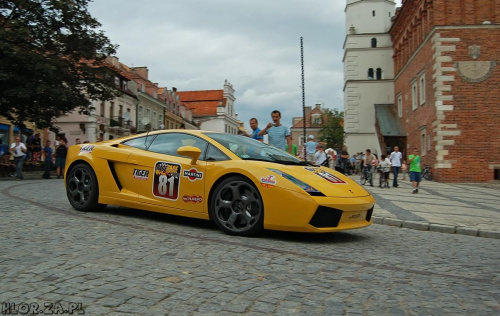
(415, 170)
(277, 133)
(396, 157)
(61, 153)
(47, 150)
(254, 125)
(19, 150)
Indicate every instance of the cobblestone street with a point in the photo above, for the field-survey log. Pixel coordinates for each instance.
(123, 261)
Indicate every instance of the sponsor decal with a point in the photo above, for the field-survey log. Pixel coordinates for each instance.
(192, 199)
(141, 174)
(326, 175)
(269, 180)
(166, 180)
(86, 149)
(329, 177)
(192, 174)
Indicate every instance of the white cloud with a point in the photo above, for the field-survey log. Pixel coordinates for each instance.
(254, 44)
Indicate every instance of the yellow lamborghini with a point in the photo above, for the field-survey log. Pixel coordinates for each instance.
(243, 185)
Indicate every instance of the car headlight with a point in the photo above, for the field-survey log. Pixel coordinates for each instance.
(301, 184)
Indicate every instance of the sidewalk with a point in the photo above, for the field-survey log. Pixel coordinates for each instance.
(466, 209)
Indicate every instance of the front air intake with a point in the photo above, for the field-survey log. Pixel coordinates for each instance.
(326, 217)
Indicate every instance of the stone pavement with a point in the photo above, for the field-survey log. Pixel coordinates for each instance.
(466, 209)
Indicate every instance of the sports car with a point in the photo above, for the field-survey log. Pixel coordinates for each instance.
(242, 185)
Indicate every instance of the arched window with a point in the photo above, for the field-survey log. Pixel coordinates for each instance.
(379, 74)
(370, 74)
(374, 42)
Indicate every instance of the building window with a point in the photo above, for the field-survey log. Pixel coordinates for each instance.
(379, 74)
(155, 94)
(117, 81)
(139, 115)
(414, 95)
(370, 74)
(374, 42)
(103, 109)
(148, 115)
(423, 141)
(143, 87)
(160, 121)
(111, 110)
(400, 105)
(154, 121)
(422, 88)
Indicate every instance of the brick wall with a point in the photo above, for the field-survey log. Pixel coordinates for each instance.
(462, 108)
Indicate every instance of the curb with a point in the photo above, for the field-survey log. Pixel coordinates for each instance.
(440, 228)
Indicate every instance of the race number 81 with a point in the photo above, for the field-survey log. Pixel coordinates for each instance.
(166, 180)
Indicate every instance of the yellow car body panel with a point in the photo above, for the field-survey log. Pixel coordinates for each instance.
(138, 178)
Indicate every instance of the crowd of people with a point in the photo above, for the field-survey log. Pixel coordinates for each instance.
(361, 162)
(31, 153)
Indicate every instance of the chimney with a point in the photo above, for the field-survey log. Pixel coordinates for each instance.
(174, 89)
(141, 71)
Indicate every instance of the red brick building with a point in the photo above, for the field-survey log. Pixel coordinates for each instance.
(447, 85)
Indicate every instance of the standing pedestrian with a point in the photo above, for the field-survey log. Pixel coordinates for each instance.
(47, 150)
(367, 165)
(19, 150)
(311, 147)
(254, 125)
(415, 170)
(344, 159)
(321, 158)
(395, 159)
(277, 133)
(61, 153)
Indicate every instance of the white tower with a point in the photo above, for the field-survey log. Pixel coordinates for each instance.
(368, 70)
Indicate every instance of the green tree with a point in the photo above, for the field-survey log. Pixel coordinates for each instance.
(332, 131)
(51, 60)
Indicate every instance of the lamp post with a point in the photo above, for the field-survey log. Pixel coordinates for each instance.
(303, 94)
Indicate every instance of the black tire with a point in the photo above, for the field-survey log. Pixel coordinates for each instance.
(82, 189)
(362, 179)
(236, 207)
(428, 176)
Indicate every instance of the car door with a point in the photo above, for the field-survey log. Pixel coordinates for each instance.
(165, 178)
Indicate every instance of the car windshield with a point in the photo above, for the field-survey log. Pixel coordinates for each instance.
(250, 149)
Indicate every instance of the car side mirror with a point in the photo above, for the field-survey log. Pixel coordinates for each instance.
(190, 151)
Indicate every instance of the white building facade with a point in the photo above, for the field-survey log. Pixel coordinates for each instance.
(368, 71)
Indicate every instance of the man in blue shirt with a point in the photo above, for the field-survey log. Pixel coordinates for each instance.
(254, 125)
(311, 146)
(277, 133)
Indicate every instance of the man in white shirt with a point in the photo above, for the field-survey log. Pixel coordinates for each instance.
(320, 156)
(395, 158)
(19, 150)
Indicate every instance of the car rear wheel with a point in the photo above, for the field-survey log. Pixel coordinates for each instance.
(236, 207)
(82, 189)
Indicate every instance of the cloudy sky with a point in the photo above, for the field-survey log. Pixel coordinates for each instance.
(254, 44)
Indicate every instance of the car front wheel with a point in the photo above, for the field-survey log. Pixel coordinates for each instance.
(82, 188)
(236, 207)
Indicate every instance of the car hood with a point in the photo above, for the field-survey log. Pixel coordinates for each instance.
(329, 182)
